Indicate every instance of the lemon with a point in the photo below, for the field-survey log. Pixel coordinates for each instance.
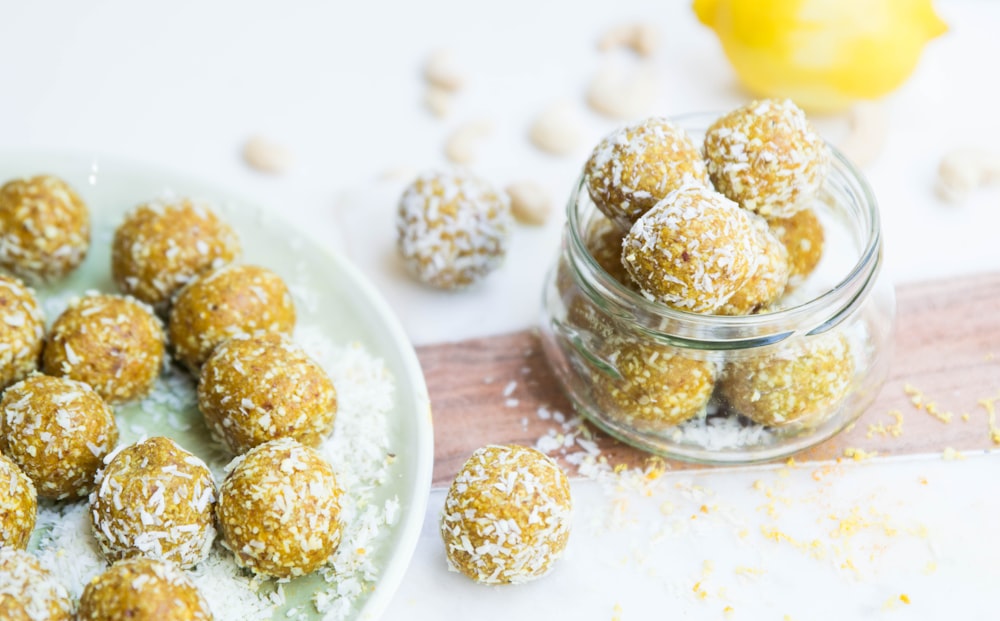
(824, 54)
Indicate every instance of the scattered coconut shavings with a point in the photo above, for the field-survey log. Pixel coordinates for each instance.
(858, 454)
(989, 404)
(950, 454)
(894, 429)
(917, 398)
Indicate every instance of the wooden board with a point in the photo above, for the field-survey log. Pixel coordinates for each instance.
(947, 346)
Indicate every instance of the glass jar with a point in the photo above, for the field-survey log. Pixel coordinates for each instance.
(723, 389)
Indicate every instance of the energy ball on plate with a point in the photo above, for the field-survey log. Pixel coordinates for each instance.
(767, 157)
(636, 166)
(769, 279)
(160, 246)
(802, 235)
(452, 228)
(142, 589)
(111, 342)
(279, 509)
(18, 506)
(59, 431)
(44, 228)
(154, 499)
(801, 383)
(259, 388)
(22, 331)
(29, 592)
(693, 251)
(236, 299)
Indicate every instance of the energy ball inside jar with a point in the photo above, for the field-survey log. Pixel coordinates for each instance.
(452, 229)
(259, 388)
(59, 431)
(159, 247)
(506, 517)
(154, 499)
(769, 279)
(801, 383)
(22, 331)
(111, 342)
(236, 299)
(767, 157)
(142, 589)
(638, 165)
(692, 251)
(44, 228)
(18, 506)
(28, 591)
(279, 509)
(802, 236)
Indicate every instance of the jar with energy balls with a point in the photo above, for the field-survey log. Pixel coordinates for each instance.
(791, 354)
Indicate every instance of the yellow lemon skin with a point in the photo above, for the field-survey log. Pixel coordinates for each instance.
(823, 54)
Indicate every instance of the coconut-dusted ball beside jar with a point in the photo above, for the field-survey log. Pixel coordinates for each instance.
(18, 505)
(142, 589)
(59, 431)
(28, 591)
(114, 343)
(22, 331)
(44, 228)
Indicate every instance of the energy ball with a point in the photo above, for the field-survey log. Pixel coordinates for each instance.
(693, 251)
(259, 388)
(636, 166)
(18, 506)
(767, 157)
(59, 431)
(160, 246)
(154, 499)
(142, 589)
(236, 299)
(29, 592)
(769, 279)
(44, 228)
(604, 242)
(802, 236)
(801, 383)
(111, 342)
(279, 509)
(22, 331)
(452, 229)
(506, 517)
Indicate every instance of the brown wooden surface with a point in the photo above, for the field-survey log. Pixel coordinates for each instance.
(947, 345)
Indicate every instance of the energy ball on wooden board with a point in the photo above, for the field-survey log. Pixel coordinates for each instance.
(59, 431)
(154, 499)
(18, 506)
(258, 388)
(693, 250)
(236, 299)
(452, 228)
(636, 166)
(279, 509)
(114, 343)
(22, 331)
(44, 228)
(142, 589)
(767, 157)
(160, 246)
(802, 235)
(506, 517)
(29, 592)
(801, 383)
(768, 281)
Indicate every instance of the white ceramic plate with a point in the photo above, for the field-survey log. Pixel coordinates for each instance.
(343, 307)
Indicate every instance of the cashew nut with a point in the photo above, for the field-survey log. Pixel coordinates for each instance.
(442, 71)
(265, 156)
(558, 129)
(623, 93)
(529, 202)
(461, 145)
(640, 37)
(965, 169)
(868, 126)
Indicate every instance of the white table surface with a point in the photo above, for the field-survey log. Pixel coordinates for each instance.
(183, 84)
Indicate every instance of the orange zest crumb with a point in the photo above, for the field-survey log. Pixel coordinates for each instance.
(903, 597)
(728, 611)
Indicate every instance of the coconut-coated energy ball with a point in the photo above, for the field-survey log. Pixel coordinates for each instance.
(236, 299)
(767, 157)
(452, 228)
(160, 246)
(142, 589)
(59, 431)
(692, 251)
(44, 228)
(18, 506)
(636, 166)
(802, 236)
(258, 388)
(111, 342)
(22, 331)
(768, 281)
(604, 242)
(154, 499)
(279, 509)
(506, 517)
(801, 383)
(28, 591)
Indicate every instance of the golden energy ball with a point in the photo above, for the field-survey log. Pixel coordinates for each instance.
(22, 331)
(768, 281)
(18, 506)
(802, 236)
(28, 591)
(142, 589)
